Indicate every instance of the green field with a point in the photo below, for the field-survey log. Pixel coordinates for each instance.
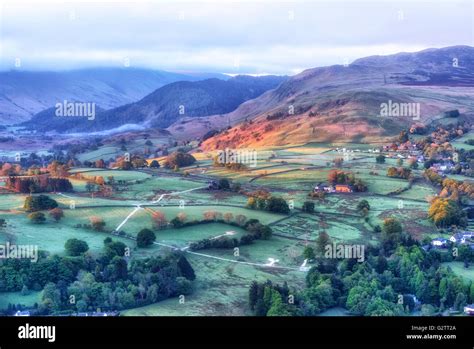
(458, 269)
(27, 300)
(223, 278)
(459, 142)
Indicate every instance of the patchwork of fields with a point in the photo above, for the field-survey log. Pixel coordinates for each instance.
(223, 277)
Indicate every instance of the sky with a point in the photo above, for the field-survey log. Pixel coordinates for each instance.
(235, 37)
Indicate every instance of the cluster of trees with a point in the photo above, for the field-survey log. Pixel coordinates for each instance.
(399, 172)
(38, 184)
(450, 188)
(363, 207)
(234, 166)
(7, 169)
(380, 286)
(39, 203)
(342, 177)
(445, 213)
(179, 159)
(272, 204)
(108, 282)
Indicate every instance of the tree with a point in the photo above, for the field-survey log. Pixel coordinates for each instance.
(445, 212)
(308, 253)
(145, 237)
(100, 163)
(228, 216)
(223, 184)
(179, 159)
(186, 269)
(322, 241)
(90, 186)
(99, 180)
(37, 217)
(380, 159)
(183, 286)
(56, 214)
(252, 203)
(363, 204)
(277, 205)
(277, 307)
(308, 206)
(97, 223)
(75, 247)
(155, 164)
(114, 248)
(240, 219)
(253, 294)
(210, 215)
(39, 203)
(391, 233)
(182, 217)
(159, 219)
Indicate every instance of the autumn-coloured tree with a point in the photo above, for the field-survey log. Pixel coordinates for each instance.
(99, 180)
(97, 223)
(182, 217)
(56, 214)
(100, 163)
(251, 202)
(228, 217)
(445, 212)
(210, 215)
(159, 219)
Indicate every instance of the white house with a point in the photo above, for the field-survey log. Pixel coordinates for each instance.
(469, 309)
(439, 242)
(22, 313)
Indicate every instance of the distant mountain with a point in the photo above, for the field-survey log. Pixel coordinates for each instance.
(343, 103)
(165, 106)
(25, 93)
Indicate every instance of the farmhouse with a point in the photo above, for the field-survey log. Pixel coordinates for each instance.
(442, 166)
(22, 313)
(343, 188)
(324, 187)
(439, 242)
(460, 238)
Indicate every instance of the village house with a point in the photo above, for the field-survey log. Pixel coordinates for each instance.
(439, 242)
(343, 188)
(323, 187)
(442, 166)
(22, 313)
(460, 238)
